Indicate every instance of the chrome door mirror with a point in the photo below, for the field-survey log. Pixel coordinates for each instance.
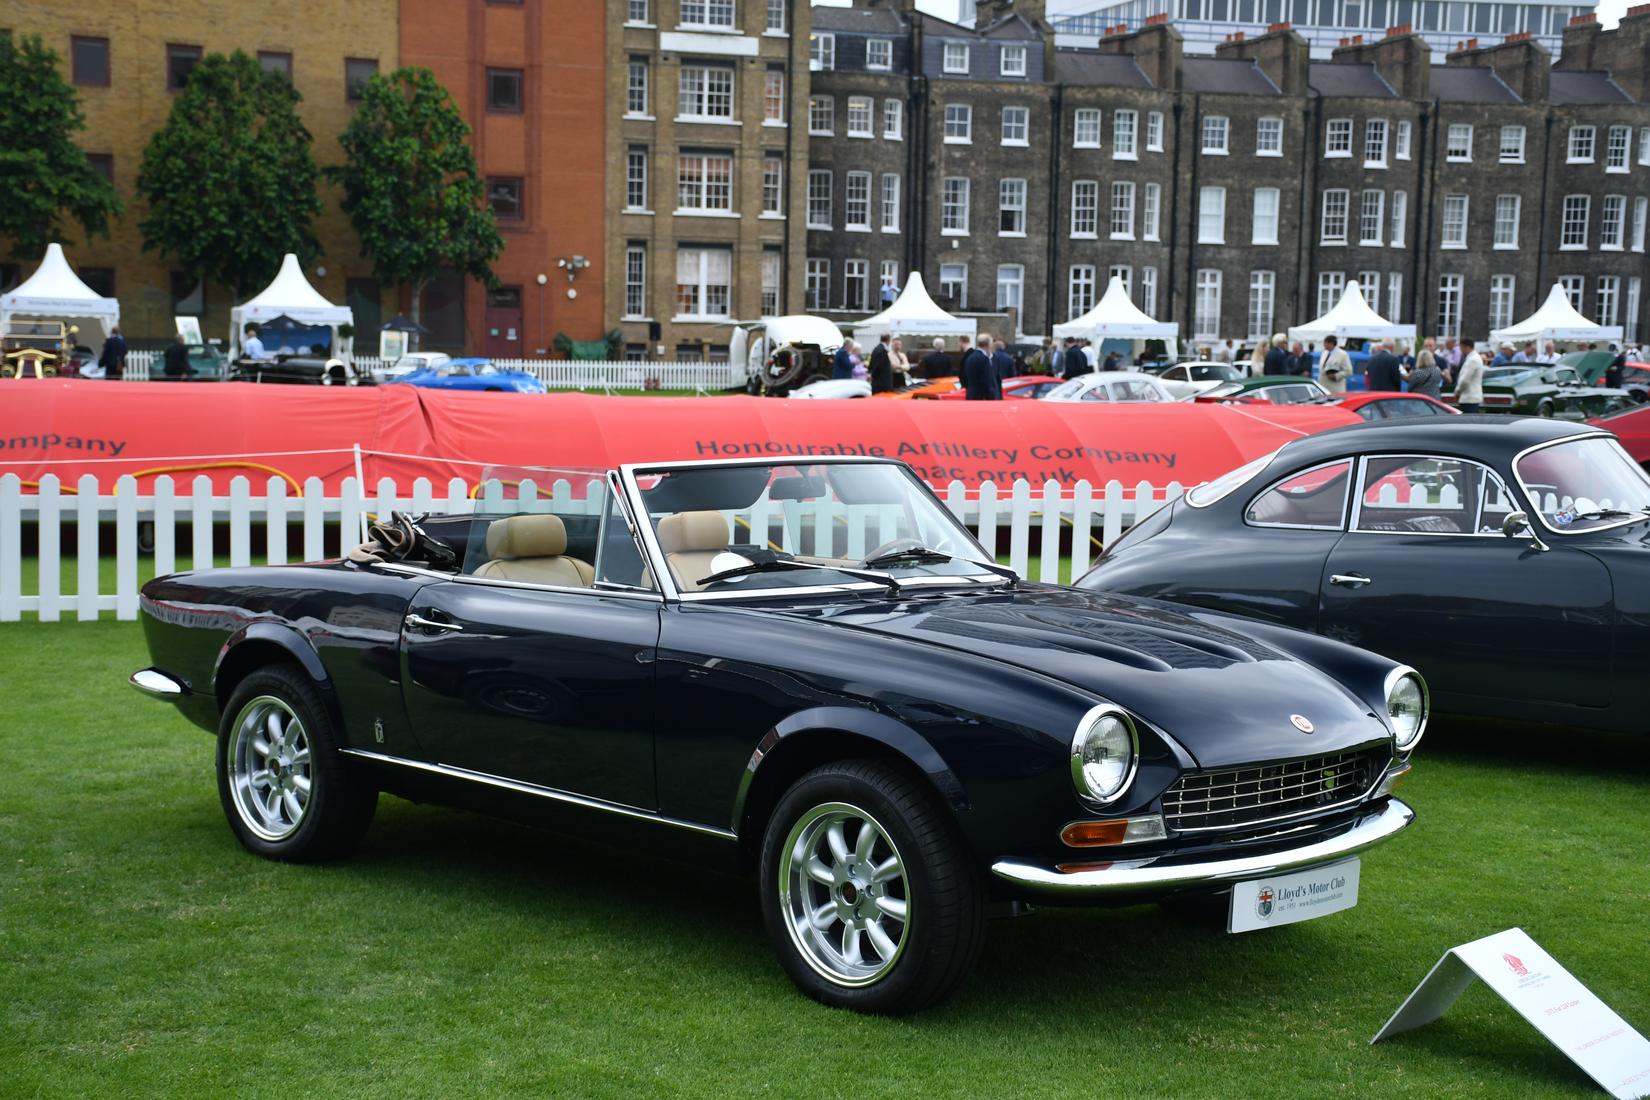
(1515, 524)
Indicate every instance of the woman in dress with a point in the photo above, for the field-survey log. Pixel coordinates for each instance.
(900, 363)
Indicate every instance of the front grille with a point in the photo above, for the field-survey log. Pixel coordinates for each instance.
(1258, 794)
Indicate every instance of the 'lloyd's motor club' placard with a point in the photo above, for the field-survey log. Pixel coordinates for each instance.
(1569, 1014)
(1285, 899)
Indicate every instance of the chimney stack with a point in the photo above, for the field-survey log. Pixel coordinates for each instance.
(1280, 53)
(1401, 57)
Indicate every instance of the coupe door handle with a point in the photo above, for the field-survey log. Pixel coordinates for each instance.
(1349, 580)
(415, 621)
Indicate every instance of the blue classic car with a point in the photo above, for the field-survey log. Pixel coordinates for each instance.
(807, 669)
(470, 374)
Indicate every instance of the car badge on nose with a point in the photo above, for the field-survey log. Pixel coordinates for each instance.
(1302, 723)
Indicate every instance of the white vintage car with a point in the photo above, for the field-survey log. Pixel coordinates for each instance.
(408, 363)
(1187, 380)
(1111, 385)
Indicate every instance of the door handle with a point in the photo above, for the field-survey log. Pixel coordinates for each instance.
(415, 621)
(1349, 580)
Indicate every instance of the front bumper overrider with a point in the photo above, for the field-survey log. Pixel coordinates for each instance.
(1160, 875)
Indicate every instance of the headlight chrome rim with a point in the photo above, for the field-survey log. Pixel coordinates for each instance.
(1089, 722)
(1392, 680)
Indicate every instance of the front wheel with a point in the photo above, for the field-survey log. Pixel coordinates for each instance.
(1546, 408)
(868, 894)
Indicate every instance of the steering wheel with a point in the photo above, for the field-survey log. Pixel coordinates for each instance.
(894, 546)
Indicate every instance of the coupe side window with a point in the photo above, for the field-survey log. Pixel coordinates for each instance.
(1314, 499)
(1429, 495)
(1098, 393)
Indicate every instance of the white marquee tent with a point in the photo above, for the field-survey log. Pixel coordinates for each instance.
(1557, 319)
(1352, 317)
(1116, 317)
(288, 293)
(55, 293)
(913, 313)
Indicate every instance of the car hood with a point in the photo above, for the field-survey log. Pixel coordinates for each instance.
(1223, 695)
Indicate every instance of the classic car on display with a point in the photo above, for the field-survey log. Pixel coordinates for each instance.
(805, 668)
(1111, 385)
(37, 349)
(407, 364)
(1545, 389)
(1191, 379)
(1274, 389)
(1021, 387)
(1496, 555)
(206, 364)
(1632, 427)
(313, 370)
(1386, 405)
(783, 353)
(481, 375)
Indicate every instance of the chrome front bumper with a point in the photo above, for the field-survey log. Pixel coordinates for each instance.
(1145, 877)
(157, 684)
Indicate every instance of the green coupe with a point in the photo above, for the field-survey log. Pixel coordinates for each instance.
(1545, 389)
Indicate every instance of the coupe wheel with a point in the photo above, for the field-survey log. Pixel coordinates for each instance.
(1546, 408)
(284, 787)
(868, 894)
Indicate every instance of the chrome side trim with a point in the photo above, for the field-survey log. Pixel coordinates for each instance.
(551, 793)
(1126, 877)
(157, 684)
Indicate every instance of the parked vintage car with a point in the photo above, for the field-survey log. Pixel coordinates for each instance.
(1545, 389)
(1190, 379)
(407, 364)
(481, 375)
(312, 370)
(1632, 427)
(206, 364)
(1111, 385)
(1274, 389)
(809, 668)
(832, 389)
(1386, 405)
(1507, 559)
(1021, 387)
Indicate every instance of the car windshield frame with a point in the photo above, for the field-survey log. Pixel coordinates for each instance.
(1198, 496)
(1590, 438)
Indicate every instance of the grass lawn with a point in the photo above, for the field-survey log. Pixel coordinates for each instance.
(143, 952)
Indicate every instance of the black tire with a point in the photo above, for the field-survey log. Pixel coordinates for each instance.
(939, 887)
(339, 805)
(1546, 407)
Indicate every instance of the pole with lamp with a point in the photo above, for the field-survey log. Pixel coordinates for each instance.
(542, 279)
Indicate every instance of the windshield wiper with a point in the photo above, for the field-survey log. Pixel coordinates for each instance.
(1612, 513)
(921, 555)
(782, 565)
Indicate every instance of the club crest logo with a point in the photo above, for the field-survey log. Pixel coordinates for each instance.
(1516, 965)
(1302, 723)
(1263, 902)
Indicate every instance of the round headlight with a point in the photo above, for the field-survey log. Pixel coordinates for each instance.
(1103, 754)
(1406, 706)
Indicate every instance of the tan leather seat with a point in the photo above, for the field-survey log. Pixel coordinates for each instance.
(533, 549)
(691, 541)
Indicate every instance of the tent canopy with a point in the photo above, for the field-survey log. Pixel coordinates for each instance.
(288, 293)
(1116, 317)
(1352, 316)
(914, 312)
(1557, 319)
(54, 292)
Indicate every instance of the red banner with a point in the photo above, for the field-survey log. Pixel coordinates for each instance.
(72, 427)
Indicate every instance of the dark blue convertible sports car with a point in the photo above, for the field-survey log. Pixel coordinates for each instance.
(804, 667)
(1507, 559)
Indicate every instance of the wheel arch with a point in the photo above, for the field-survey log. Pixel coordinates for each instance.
(259, 645)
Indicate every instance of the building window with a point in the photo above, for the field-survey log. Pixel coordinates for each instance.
(954, 284)
(635, 280)
(636, 12)
(773, 96)
(1148, 290)
(1085, 128)
(273, 61)
(1394, 296)
(861, 116)
(1400, 142)
(890, 278)
(1337, 138)
(1644, 144)
(1501, 300)
(635, 103)
(1612, 231)
(1265, 227)
(1215, 133)
(959, 124)
(1085, 209)
(1641, 207)
(1122, 210)
(817, 283)
(1269, 137)
(1454, 232)
(879, 54)
(1449, 306)
(1331, 284)
(1012, 61)
(704, 277)
(890, 202)
(90, 61)
(1581, 144)
(704, 183)
(954, 206)
(821, 115)
(1573, 232)
(635, 178)
(1372, 218)
(956, 57)
(1123, 274)
(1211, 215)
(1079, 290)
(1375, 143)
(1400, 214)
(181, 61)
(103, 164)
(819, 198)
(1332, 225)
(893, 119)
(856, 284)
(1011, 208)
(1123, 135)
(1630, 322)
(822, 52)
(504, 90)
(1011, 283)
(856, 196)
(1262, 295)
(707, 13)
(1369, 285)
(357, 71)
(504, 197)
(773, 185)
(1458, 147)
(1206, 306)
(188, 295)
(1512, 145)
(1507, 208)
(1154, 131)
(776, 16)
(1151, 211)
(1609, 299)
(1016, 125)
(773, 267)
(705, 92)
(1618, 149)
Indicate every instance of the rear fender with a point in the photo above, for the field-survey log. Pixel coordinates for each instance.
(261, 643)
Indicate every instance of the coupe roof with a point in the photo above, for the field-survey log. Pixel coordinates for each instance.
(1493, 438)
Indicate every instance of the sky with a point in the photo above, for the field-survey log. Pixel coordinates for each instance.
(1609, 11)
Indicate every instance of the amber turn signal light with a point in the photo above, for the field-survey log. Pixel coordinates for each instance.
(1094, 834)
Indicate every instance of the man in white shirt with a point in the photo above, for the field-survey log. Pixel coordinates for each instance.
(1224, 352)
(1335, 366)
(251, 346)
(1469, 381)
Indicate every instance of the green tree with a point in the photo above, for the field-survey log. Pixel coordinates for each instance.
(44, 176)
(410, 184)
(230, 179)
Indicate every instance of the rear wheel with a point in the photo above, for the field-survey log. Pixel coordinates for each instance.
(1546, 407)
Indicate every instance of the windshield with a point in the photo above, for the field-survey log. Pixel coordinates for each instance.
(1225, 389)
(1068, 390)
(1211, 372)
(1204, 495)
(1584, 484)
(803, 525)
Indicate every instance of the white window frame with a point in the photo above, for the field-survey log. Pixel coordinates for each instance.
(776, 18)
(1630, 309)
(773, 98)
(951, 224)
(879, 54)
(1011, 199)
(1269, 136)
(1331, 285)
(1575, 288)
(638, 90)
(1080, 119)
(1151, 212)
(1122, 210)
(636, 14)
(1450, 288)
(822, 53)
(704, 285)
(1334, 214)
(1618, 149)
(816, 289)
(954, 58)
(1014, 110)
(1644, 144)
(1641, 214)
(1337, 139)
(1211, 215)
(773, 281)
(1206, 304)
(961, 282)
(890, 202)
(1607, 300)
(856, 269)
(1503, 293)
(1148, 290)
(958, 124)
(715, 15)
(1154, 131)
(1085, 210)
(1011, 277)
(1263, 227)
(1581, 144)
(821, 185)
(1263, 289)
(1454, 236)
(707, 94)
(893, 120)
(1572, 235)
(1217, 135)
(1375, 133)
(1509, 210)
(815, 127)
(1011, 53)
(1612, 228)
(1125, 134)
(1372, 218)
(1458, 143)
(703, 184)
(1079, 290)
(635, 282)
(1394, 296)
(636, 157)
(867, 109)
(773, 185)
(856, 202)
(1400, 219)
(1512, 145)
(1401, 139)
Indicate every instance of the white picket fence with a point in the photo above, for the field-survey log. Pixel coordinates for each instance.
(556, 374)
(276, 525)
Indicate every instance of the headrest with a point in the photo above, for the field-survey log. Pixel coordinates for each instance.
(537, 536)
(693, 531)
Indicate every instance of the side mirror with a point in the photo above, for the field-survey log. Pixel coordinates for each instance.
(1515, 524)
